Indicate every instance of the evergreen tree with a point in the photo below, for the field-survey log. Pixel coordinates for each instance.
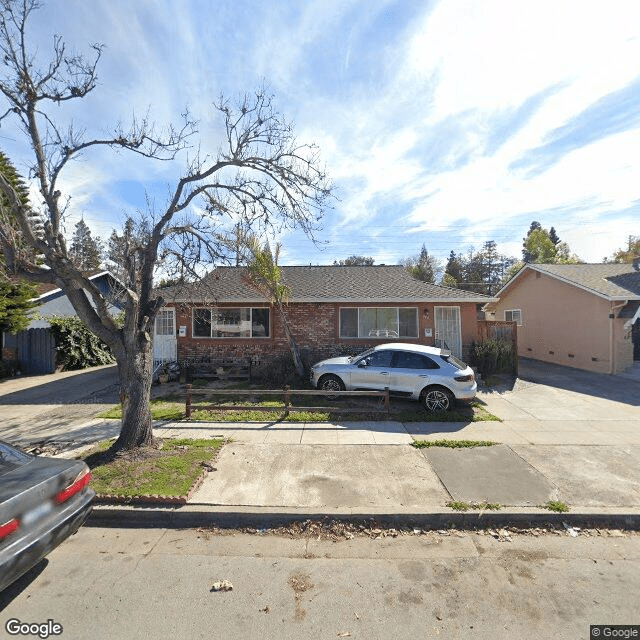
(526, 255)
(85, 251)
(453, 272)
(15, 296)
(544, 247)
(632, 250)
(16, 299)
(424, 266)
(10, 230)
(124, 252)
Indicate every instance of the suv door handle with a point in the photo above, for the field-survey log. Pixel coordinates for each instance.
(384, 373)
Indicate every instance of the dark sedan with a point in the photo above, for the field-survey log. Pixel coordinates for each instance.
(42, 502)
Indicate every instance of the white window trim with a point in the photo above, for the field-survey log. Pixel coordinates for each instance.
(358, 337)
(517, 319)
(210, 337)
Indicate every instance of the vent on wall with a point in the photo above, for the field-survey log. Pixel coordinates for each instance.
(551, 353)
(571, 355)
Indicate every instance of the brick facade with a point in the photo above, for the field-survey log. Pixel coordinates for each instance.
(315, 326)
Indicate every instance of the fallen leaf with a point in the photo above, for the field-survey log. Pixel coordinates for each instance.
(221, 585)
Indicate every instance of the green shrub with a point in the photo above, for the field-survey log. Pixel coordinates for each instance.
(493, 356)
(76, 346)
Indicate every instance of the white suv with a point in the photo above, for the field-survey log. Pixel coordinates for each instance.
(431, 375)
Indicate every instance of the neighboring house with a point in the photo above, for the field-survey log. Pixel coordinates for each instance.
(332, 310)
(579, 315)
(34, 348)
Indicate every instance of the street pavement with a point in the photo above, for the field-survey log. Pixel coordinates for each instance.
(565, 435)
(129, 584)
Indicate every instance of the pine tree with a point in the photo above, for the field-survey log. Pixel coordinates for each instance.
(85, 251)
(424, 266)
(526, 254)
(15, 296)
(453, 270)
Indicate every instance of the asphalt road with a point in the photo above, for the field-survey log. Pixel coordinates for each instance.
(155, 583)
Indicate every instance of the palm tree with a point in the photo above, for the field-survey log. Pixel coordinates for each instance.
(266, 275)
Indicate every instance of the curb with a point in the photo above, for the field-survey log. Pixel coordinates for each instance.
(190, 516)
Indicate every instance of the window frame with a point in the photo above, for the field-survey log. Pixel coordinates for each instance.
(416, 336)
(517, 320)
(223, 309)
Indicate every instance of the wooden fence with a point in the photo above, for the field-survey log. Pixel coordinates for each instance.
(286, 395)
(500, 330)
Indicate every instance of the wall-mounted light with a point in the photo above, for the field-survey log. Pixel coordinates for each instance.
(425, 314)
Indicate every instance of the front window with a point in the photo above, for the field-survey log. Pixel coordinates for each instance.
(164, 323)
(242, 322)
(379, 322)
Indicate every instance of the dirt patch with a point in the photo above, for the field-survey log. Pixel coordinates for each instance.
(300, 582)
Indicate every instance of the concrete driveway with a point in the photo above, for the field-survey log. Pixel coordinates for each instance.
(56, 406)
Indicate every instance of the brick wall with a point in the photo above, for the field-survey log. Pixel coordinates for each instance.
(315, 327)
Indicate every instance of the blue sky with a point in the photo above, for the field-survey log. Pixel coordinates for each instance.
(441, 123)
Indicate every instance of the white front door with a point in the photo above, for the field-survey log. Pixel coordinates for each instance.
(448, 329)
(165, 345)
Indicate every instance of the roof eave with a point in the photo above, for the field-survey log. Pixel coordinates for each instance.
(482, 300)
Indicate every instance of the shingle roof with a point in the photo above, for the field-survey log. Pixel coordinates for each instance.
(325, 284)
(609, 280)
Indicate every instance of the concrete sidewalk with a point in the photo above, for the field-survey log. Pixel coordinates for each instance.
(274, 473)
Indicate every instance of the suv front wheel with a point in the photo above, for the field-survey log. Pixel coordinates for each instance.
(437, 399)
(330, 382)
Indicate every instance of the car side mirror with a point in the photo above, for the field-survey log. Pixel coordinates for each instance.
(362, 364)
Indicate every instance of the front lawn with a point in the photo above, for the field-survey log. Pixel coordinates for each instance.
(171, 470)
(172, 407)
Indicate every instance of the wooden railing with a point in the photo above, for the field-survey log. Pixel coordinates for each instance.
(286, 393)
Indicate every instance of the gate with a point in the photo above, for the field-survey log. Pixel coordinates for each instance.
(36, 351)
(500, 330)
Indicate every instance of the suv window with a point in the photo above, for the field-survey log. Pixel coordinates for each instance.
(410, 360)
(380, 358)
(458, 364)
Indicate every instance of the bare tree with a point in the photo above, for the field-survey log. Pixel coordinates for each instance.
(260, 177)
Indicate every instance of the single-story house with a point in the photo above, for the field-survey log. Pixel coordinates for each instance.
(580, 315)
(34, 348)
(332, 310)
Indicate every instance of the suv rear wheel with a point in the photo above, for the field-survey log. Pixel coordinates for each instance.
(437, 399)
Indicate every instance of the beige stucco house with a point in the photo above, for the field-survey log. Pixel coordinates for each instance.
(580, 315)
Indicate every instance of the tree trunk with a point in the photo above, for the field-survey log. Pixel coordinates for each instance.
(136, 370)
(293, 345)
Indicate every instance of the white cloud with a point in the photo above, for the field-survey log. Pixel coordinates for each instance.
(406, 129)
